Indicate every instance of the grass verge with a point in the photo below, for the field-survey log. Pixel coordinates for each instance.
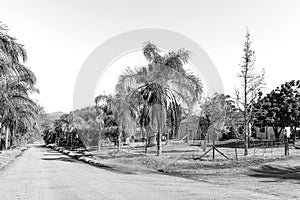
(7, 157)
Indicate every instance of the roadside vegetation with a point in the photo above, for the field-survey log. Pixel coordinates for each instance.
(20, 117)
(139, 125)
(18, 113)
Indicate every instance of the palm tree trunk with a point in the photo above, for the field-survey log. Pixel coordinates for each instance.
(1, 131)
(144, 135)
(6, 137)
(119, 139)
(72, 140)
(159, 133)
(159, 146)
(149, 136)
(159, 117)
(141, 131)
(12, 138)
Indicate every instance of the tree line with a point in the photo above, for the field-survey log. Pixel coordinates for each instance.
(154, 99)
(18, 113)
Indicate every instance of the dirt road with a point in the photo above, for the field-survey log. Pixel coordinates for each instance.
(42, 173)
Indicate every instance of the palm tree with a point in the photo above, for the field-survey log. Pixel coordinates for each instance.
(122, 112)
(17, 107)
(12, 54)
(160, 85)
(16, 81)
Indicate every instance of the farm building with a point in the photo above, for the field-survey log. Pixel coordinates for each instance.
(267, 133)
(189, 127)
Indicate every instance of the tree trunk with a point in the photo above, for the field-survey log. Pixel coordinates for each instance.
(100, 140)
(1, 145)
(1, 131)
(141, 132)
(6, 137)
(207, 137)
(119, 139)
(146, 145)
(160, 128)
(204, 142)
(159, 146)
(150, 136)
(158, 120)
(12, 138)
(246, 145)
(72, 140)
(213, 144)
(245, 112)
(286, 147)
(246, 139)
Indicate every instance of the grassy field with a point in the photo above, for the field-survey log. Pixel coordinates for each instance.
(183, 158)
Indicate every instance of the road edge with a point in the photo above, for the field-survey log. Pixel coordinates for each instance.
(15, 157)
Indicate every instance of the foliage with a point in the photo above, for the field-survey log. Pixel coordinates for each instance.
(159, 88)
(216, 111)
(84, 123)
(18, 111)
(280, 108)
(118, 116)
(251, 86)
(79, 127)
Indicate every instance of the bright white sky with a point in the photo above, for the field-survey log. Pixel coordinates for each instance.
(132, 60)
(60, 34)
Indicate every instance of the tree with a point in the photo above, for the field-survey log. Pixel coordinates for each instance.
(158, 87)
(84, 126)
(252, 84)
(280, 108)
(16, 82)
(43, 120)
(215, 112)
(119, 112)
(174, 117)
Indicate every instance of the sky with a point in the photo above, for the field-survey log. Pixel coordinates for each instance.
(59, 35)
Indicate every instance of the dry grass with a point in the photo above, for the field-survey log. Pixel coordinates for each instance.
(182, 158)
(8, 156)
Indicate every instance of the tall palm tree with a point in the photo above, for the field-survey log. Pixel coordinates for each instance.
(16, 81)
(163, 82)
(17, 107)
(12, 54)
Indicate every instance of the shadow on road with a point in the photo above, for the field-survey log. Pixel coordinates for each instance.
(109, 168)
(64, 159)
(277, 172)
(51, 155)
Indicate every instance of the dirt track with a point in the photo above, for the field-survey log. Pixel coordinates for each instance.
(42, 173)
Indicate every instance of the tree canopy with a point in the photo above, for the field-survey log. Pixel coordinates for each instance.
(280, 108)
(18, 112)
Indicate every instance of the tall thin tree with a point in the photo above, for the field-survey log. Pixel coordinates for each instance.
(251, 85)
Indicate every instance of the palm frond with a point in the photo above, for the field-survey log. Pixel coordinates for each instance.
(151, 53)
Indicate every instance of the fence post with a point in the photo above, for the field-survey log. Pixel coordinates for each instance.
(264, 148)
(254, 148)
(272, 143)
(286, 148)
(236, 156)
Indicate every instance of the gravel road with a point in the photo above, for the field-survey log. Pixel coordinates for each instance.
(42, 173)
